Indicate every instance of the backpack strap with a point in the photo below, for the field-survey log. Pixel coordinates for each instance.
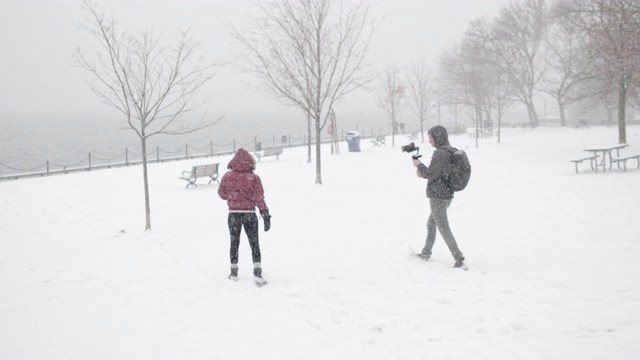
(450, 149)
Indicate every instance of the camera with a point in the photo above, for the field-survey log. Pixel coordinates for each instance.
(411, 148)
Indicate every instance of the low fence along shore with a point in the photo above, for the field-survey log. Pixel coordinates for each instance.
(93, 161)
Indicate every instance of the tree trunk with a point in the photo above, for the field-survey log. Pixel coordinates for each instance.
(145, 176)
(478, 120)
(533, 115)
(394, 126)
(563, 119)
(318, 152)
(609, 114)
(309, 138)
(622, 102)
(499, 124)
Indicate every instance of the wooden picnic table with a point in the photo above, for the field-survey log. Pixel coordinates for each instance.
(606, 154)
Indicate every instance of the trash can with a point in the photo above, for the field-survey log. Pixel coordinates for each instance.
(353, 140)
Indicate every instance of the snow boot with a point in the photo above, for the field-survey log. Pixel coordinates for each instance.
(234, 272)
(257, 275)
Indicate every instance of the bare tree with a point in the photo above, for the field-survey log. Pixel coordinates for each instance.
(519, 31)
(479, 50)
(611, 28)
(391, 97)
(308, 54)
(461, 75)
(420, 81)
(568, 75)
(470, 76)
(153, 86)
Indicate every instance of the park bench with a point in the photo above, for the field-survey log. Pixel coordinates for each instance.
(581, 124)
(592, 160)
(201, 171)
(482, 133)
(270, 151)
(379, 140)
(623, 160)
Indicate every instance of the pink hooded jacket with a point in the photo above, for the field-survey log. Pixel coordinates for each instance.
(241, 187)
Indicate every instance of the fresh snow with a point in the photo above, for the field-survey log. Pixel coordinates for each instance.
(552, 255)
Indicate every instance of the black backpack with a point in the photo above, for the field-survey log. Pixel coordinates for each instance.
(460, 169)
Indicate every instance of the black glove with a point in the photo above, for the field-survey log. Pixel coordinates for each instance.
(267, 219)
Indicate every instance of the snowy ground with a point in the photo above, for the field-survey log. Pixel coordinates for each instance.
(553, 259)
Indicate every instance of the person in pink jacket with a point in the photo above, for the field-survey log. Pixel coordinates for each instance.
(243, 191)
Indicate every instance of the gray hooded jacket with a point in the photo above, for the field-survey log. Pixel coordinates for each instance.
(437, 173)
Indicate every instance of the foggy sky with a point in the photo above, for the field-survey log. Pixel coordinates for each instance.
(38, 39)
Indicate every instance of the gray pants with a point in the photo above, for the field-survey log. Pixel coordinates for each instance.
(439, 220)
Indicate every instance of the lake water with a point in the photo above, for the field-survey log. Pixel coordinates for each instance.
(26, 144)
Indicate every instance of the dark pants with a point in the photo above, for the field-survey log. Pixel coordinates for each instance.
(439, 220)
(250, 222)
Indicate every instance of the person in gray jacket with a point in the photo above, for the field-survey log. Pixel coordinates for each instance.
(439, 194)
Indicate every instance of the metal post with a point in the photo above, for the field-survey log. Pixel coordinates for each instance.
(211, 147)
(157, 153)
(186, 150)
(47, 167)
(234, 145)
(89, 161)
(126, 156)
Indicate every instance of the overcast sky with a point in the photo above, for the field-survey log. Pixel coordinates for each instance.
(38, 39)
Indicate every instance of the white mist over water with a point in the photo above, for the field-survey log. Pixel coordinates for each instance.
(27, 143)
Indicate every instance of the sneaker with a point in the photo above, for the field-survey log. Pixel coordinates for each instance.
(423, 256)
(460, 264)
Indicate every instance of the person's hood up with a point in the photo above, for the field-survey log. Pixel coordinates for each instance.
(439, 135)
(243, 161)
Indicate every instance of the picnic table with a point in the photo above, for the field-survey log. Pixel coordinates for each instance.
(605, 153)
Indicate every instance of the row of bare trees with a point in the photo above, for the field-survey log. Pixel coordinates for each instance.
(310, 54)
(399, 89)
(571, 50)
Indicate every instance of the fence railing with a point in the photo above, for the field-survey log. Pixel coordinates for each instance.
(158, 155)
